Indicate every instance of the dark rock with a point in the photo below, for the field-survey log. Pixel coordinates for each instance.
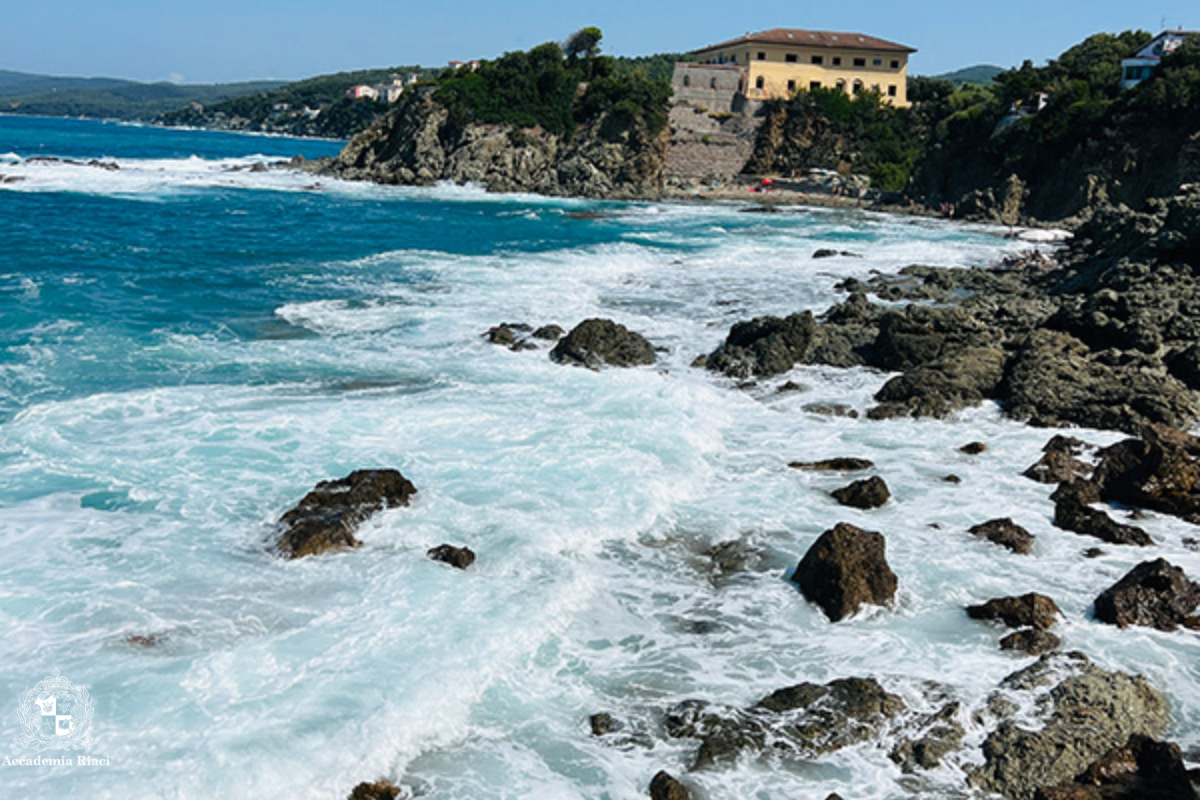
(597, 342)
(1073, 512)
(602, 723)
(665, 787)
(1029, 610)
(1057, 467)
(1160, 470)
(939, 735)
(921, 335)
(806, 720)
(1005, 533)
(1085, 715)
(1093, 552)
(549, 332)
(868, 493)
(824, 252)
(1032, 641)
(1054, 379)
(326, 517)
(831, 410)
(1154, 594)
(145, 640)
(841, 464)
(459, 557)
(380, 790)
(960, 379)
(789, 386)
(973, 448)
(1141, 769)
(764, 346)
(845, 568)
(952, 479)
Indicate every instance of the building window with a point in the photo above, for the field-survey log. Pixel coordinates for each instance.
(858, 87)
(841, 85)
(791, 86)
(733, 59)
(814, 85)
(892, 90)
(877, 62)
(790, 58)
(760, 82)
(895, 63)
(687, 81)
(712, 83)
(762, 56)
(837, 61)
(860, 62)
(818, 60)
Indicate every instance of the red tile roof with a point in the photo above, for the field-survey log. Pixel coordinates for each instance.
(826, 39)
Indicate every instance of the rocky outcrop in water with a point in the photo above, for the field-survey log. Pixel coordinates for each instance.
(1088, 712)
(865, 494)
(594, 343)
(664, 786)
(457, 557)
(1005, 533)
(1033, 610)
(379, 790)
(1073, 512)
(1105, 338)
(805, 720)
(1155, 594)
(1140, 769)
(1159, 470)
(419, 144)
(844, 569)
(325, 519)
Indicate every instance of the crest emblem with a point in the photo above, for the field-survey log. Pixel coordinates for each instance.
(56, 715)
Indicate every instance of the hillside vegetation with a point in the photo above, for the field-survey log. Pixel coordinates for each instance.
(110, 98)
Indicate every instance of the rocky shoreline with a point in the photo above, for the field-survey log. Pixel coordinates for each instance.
(1104, 336)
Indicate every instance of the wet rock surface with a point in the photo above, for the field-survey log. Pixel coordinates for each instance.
(1032, 641)
(1005, 533)
(1105, 337)
(1029, 610)
(1140, 769)
(379, 790)
(834, 465)
(865, 494)
(1155, 594)
(1060, 462)
(805, 720)
(1159, 470)
(844, 569)
(595, 343)
(666, 787)
(458, 557)
(1073, 512)
(326, 517)
(1087, 712)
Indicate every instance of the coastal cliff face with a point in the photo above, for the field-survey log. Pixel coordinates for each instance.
(419, 144)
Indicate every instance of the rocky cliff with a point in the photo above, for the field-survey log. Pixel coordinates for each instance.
(614, 156)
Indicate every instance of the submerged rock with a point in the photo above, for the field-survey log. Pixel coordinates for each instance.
(937, 735)
(325, 519)
(834, 465)
(594, 343)
(1089, 712)
(1032, 641)
(602, 723)
(1029, 610)
(1005, 533)
(1154, 594)
(845, 568)
(458, 557)
(805, 720)
(865, 494)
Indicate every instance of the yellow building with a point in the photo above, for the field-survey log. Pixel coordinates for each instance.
(782, 61)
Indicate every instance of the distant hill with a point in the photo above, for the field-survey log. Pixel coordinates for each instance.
(978, 75)
(110, 98)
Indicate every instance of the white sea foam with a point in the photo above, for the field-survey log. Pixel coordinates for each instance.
(590, 497)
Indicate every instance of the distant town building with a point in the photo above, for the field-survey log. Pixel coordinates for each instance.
(1136, 69)
(472, 65)
(362, 92)
(782, 61)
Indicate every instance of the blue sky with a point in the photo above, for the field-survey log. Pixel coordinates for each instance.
(226, 40)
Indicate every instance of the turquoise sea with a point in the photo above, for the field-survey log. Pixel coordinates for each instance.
(189, 342)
